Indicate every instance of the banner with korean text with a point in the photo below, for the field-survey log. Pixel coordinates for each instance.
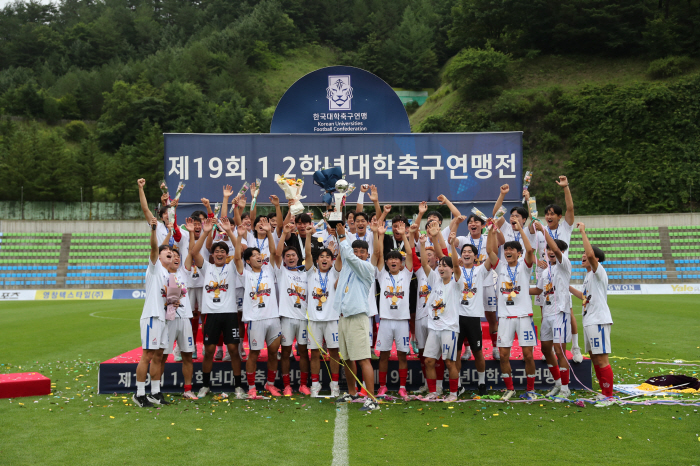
(406, 168)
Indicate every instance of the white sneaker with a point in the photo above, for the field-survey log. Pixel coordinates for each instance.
(241, 351)
(555, 390)
(451, 398)
(177, 354)
(227, 357)
(239, 393)
(496, 354)
(423, 389)
(600, 397)
(203, 392)
(438, 388)
(507, 395)
(316, 390)
(564, 393)
(195, 355)
(335, 390)
(577, 356)
(607, 402)
(467, 354)
(219, 354)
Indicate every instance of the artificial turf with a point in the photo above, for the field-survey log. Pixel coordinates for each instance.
(66, 341)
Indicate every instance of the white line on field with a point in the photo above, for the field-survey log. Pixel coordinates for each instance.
(92, 314)
(340, 436)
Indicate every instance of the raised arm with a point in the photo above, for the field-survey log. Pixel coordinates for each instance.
(207, 205)
(413, 232)
(491, 247)
(422, 209)
(424, 255)
(550, 241)
(154, 241)
(400, 228)
(280, 247)
(433, 230)
(587, 248)
(238, 254)
(501, 196)
(228, 190)
(278, 212)
(189, 225)
(444, 201)
(144, 204)
(310, 230)
(361, 198)
(452, 239)
(378, 253)
(529, 253)
(385, 213)
(569, 216)
(205, 235)
(374, 197)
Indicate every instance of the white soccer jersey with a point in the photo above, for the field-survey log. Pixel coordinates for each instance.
(263, 246)
(510, 235)
(393, 294)
(422, 295)
(156, 281)
(545, 282)
(479, 244)
(562, 231)
(444, 303)
(293, 292)
(368, 237)
(218, 295)
(595, 293)
(322, 290)
(259, 295)
(514, 280)
(561, 275)
(471, 285)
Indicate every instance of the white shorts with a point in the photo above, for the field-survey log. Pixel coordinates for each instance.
(441, 343)
(597, 338)
(523, 326)
(154, 334)
(393, 331)
(319, 331)
(195, 295)
(180, 330)
(293, 328)
(490, 299)
(421, 332)
(556, 328)
(263, 331)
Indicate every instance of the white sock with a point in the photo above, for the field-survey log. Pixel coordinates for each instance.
(438, 384)
(140, 388)
(482, 378)
(453, 393)
(155, 387)
(574, 340)
(402, 386)
(333, 384)
(565, 387)
(315, 385)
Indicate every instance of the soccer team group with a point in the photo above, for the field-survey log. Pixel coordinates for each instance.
(276, 281)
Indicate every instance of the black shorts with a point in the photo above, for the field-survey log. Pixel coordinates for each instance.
(213, 325)
(470, 330)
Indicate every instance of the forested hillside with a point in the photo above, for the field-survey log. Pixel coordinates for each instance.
(606, 91)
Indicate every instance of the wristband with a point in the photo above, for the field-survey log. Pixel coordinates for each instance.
(361, 198)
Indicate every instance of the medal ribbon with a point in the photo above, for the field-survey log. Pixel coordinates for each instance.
(513, 275)
(257, 243)
(324, 283)
(554, 234)
(471, 277)
(257, 287)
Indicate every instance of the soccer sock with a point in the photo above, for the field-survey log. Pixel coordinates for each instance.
(597, 374)
(237, 381)
(606, 380)
(454, 386)
(140, 388)
(285, 380)
(304, 378)
(440, 370)
(432, 385)
(314, 378)
(482, 378)
(422, 366)
(155, 387)
(574, 340)
(335, 377)
(403, 374)
(271, 377)
(382, 379)
(188, 388)
(564, 376)
(530, 382)
(251, 380)
(556, 375)
(508, 381)
(494, 339)
(206, 379)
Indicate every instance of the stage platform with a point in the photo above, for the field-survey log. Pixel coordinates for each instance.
(118, 374)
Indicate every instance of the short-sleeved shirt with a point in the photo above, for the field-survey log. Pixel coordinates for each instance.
(445, 234)
(519, 305)
(156, 281)
(443, 303)
(422, 294)
(479, 244)
(510, 235)
(322, 290)
(368, 237)
(185, 309)
(393, 294)
(263, 246)
(259, 294)
(561, 276)
(293, 292)
(218, 294)
(471, 285)
(595, 293)
(562, 231)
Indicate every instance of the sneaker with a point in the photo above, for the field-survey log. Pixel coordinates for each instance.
(252, 394)
(346, 398)
(227, 357)
(369, 405)
(543, 358)
(496, 354)
(382, 391)
(607, 402)
(274, 391)
(195, 355)
(430, 397)
(414, 345)
(529, 396)
(363, 393)
(423, 389)
(203, 392)
(508, 394)
(564, 393)
(141, 401)
(438, 390)
(287, 391)
(188, 395)
(335, 390)
(600, 397)
(403, 393)
(577, 356)
(482, 389)
(374, 356)
(241, 351)
(304, 390)
(239, 393)
(158, 399)
(451, 398)
(219, 354)
(466, 355)
(461, 391)
(316, 390)
(555, 391)
(178, 357)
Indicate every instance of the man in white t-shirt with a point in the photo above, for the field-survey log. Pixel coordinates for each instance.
(260, 311)
(597, 319)
(555, 332)
(515, 306)
(219, 316)
(443, 323)
(394, 311)
(323, 316)
(293, 301)
(362, 231)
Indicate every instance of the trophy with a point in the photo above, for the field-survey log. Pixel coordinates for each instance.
(532, 207)
(336, 217)
(526, 181)
(488, 221)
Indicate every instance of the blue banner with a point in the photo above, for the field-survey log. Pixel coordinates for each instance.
(406, 168)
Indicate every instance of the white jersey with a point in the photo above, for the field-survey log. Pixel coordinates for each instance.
(259, 295)
(510, 235)
(514, 281)
(195, 277)
(445, 234)
(561, 276)
(263, 246)
(471, 284)
(393, 294)
(422, 295)
(368, 237)
(545, 282)
(293, 292)
(321, 286)
(325, 240)
(156, 281)
(218, 296)
(444, 303)
(185, 309)
(182, 246)
(595, 294)
(562, 232)
(373, 311)
(479, 244)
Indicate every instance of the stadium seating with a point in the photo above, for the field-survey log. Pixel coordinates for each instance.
(108, 259)
(29, 259)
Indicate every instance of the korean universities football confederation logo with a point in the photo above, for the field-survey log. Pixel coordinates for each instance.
(339, 93)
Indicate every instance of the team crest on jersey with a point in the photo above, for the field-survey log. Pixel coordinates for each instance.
(438, 308)
(195, 271)
(548, 292)
(217, 288)
(259, 293)
(297, 292)
(467, 293)
(394, 293)
(480, 259)
(339, 93)
(424, 293)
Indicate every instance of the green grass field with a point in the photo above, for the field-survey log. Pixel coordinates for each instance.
(66, 341)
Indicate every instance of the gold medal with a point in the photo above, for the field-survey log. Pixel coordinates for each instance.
(346, 289)
(394, 300)
(512, 294)
(323, 299)
(303, 262)
(470, 295)
(320, 240)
